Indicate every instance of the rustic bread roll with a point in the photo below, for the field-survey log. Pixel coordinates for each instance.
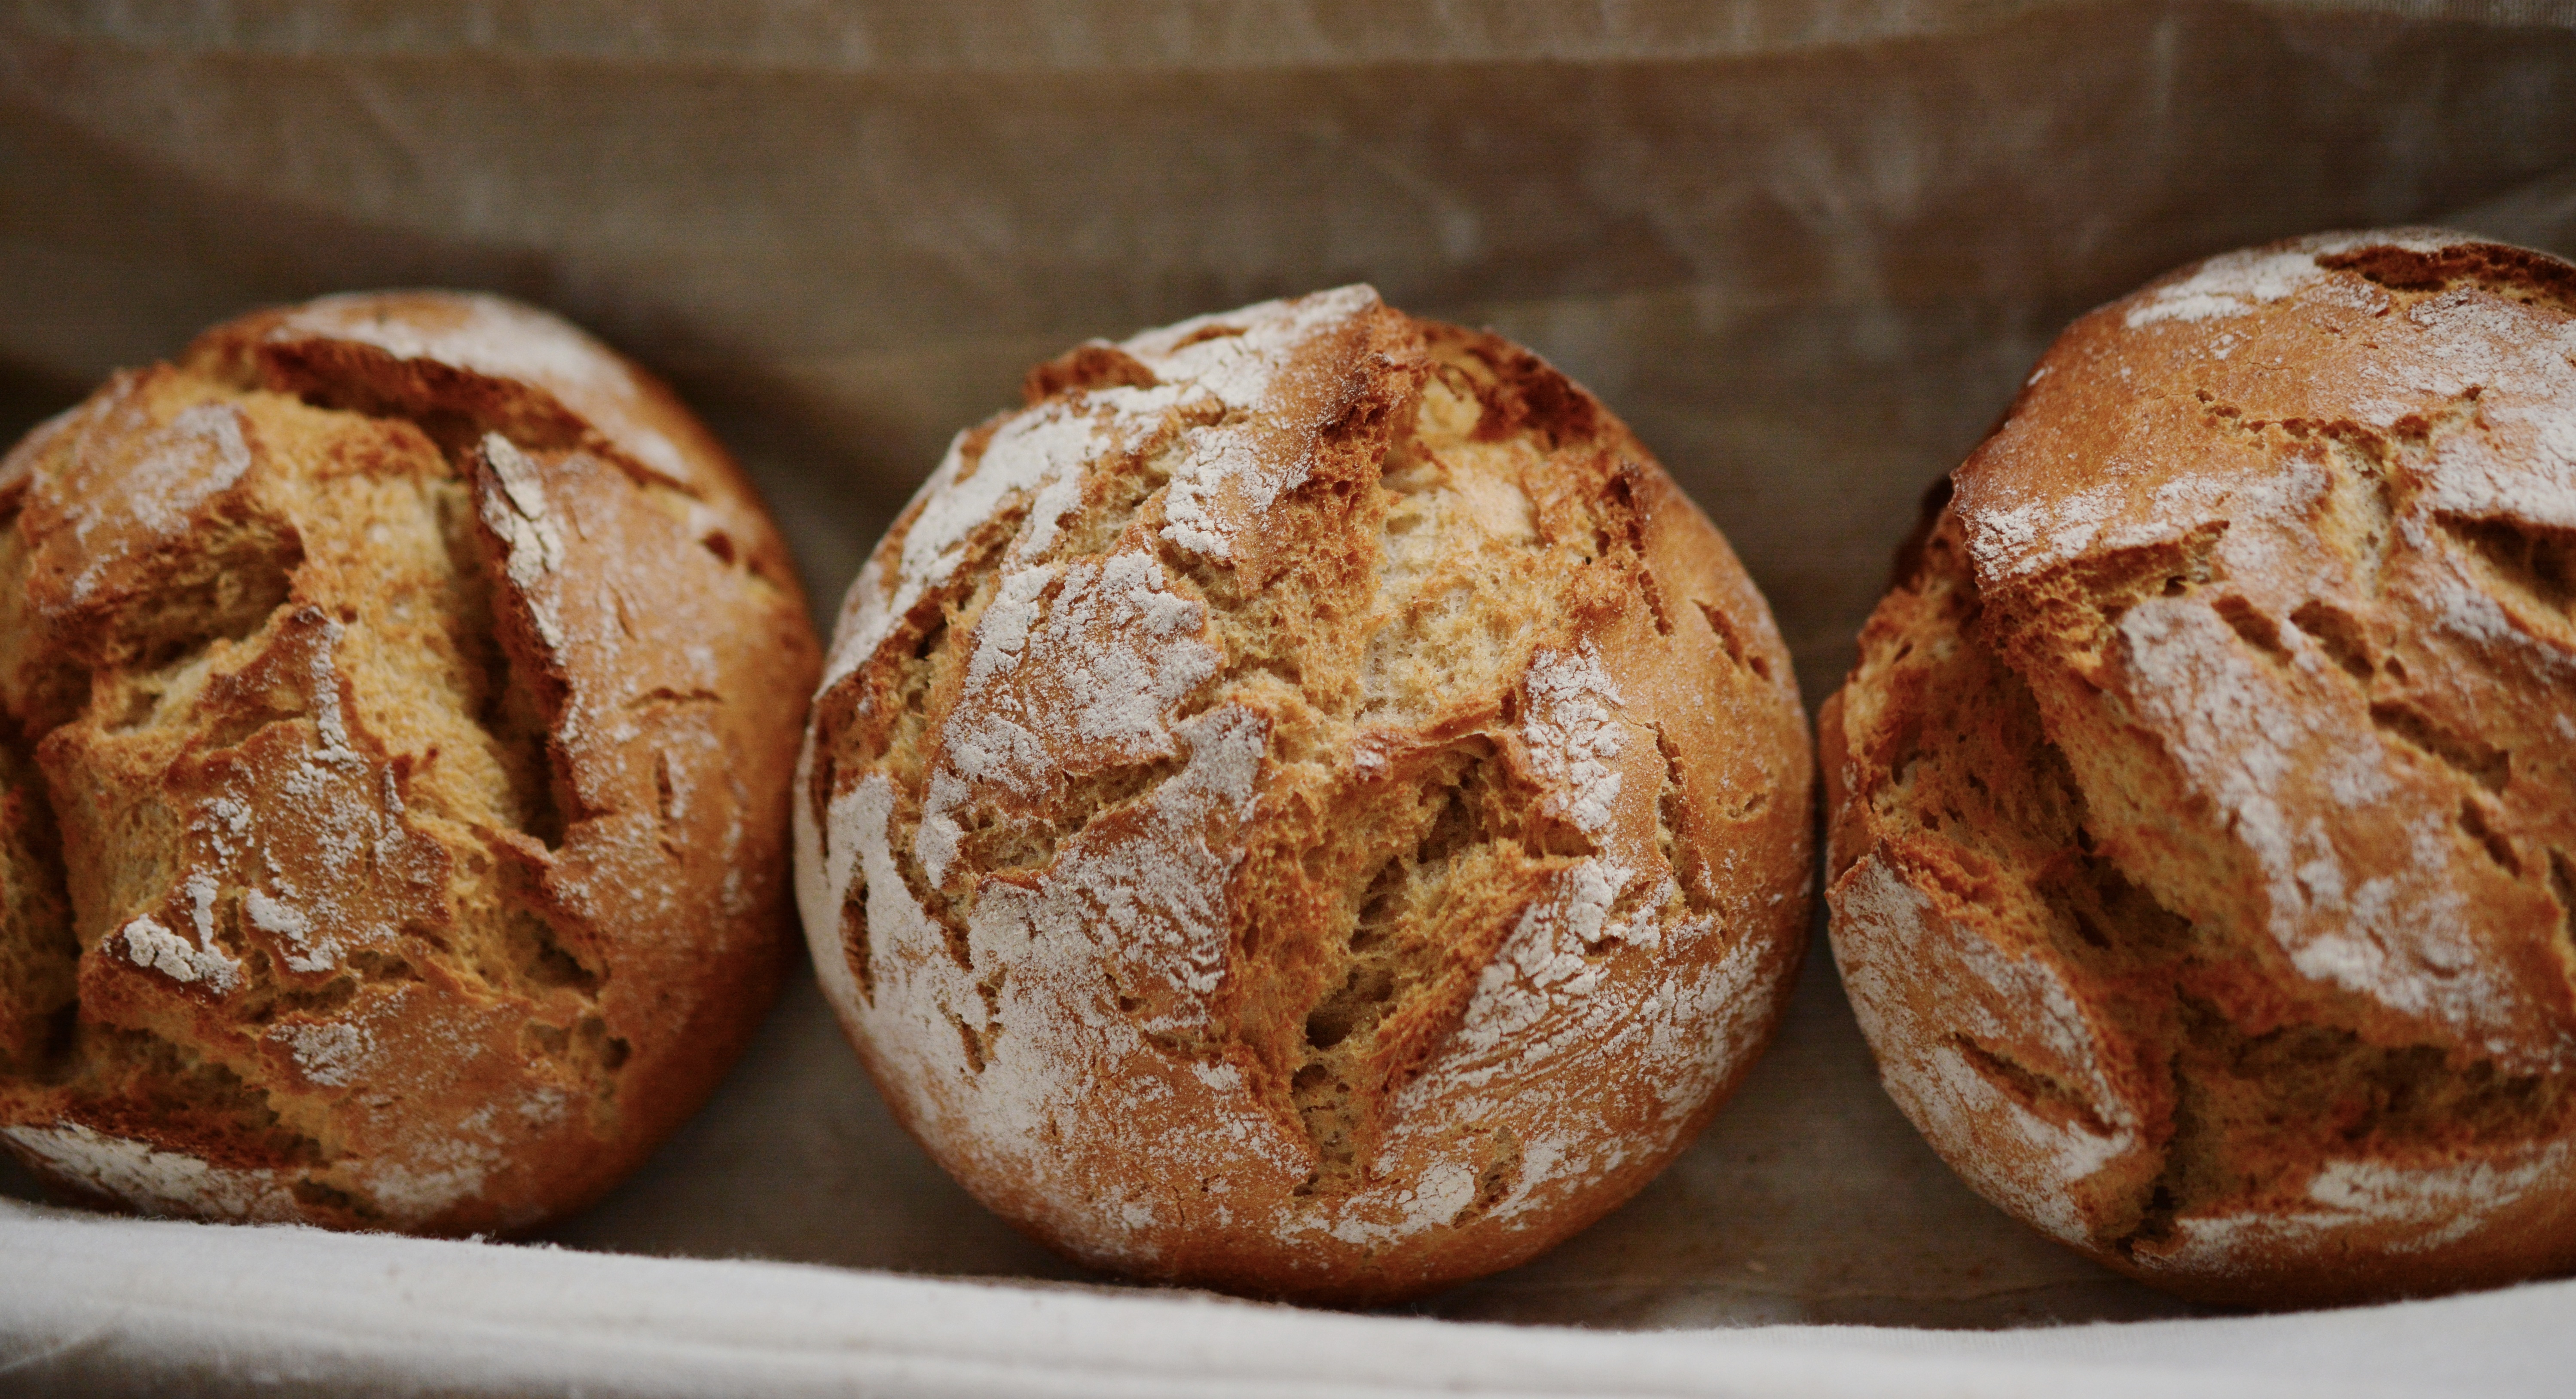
(404, 692)
(1304, 807)
(2204, 800)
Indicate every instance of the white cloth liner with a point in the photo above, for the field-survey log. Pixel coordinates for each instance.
(149, 1307)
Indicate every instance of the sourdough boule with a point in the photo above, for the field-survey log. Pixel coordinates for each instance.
(1304, 807)
(2204, 799)
(403, 693)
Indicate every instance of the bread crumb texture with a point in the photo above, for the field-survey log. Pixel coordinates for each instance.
(2203, 838)
(1305, 807)
(402, 696)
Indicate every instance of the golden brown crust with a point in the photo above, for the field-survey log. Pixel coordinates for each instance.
(410, 680)
(2202, 833)
(1306, 807)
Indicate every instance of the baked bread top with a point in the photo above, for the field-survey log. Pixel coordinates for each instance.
(2203, 820)
(402, 693)
(1305, 806)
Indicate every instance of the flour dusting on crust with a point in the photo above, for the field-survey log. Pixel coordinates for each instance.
(2227, 285)
(1996, 997)
(1216, 381)
(407, 775)
(504, 340)
(2261, 990)
(1037, 912)
(148, 944)
(1075, 668)
(2402, 1210)
(1224, 481)
(149, 1180)
(1131, 909)
(1571, 734)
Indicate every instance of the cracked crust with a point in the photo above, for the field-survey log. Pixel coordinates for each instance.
(392, 808)
(2201, 817)
(1305, 807)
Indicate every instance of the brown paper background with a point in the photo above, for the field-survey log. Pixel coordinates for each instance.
(1807, 249)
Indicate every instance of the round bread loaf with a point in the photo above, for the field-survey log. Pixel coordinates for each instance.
(1305, 807)
(2203, 841)
(403, 695)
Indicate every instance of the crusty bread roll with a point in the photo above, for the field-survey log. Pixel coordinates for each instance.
(404, 693)
(2204, 801)
(1305, 807)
